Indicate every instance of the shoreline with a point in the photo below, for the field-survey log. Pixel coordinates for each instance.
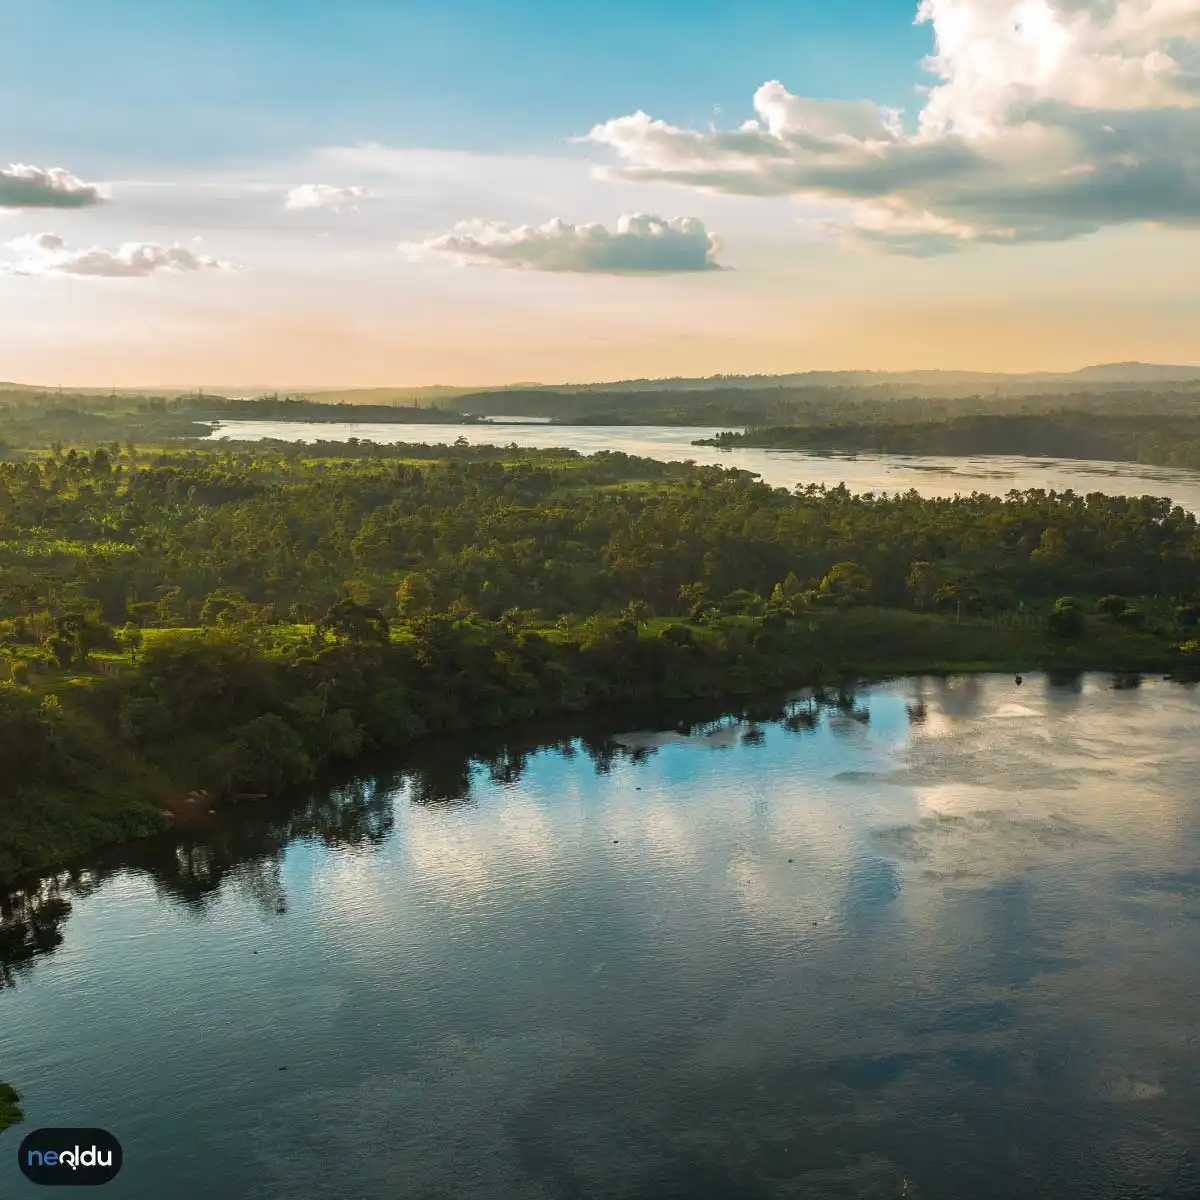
(145, 803)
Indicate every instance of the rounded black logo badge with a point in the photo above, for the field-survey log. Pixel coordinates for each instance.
(70, 1157)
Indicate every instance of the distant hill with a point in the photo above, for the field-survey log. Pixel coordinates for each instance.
(1135, 372)
(933, 382)
(1132, 373)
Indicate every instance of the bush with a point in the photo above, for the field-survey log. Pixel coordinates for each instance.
(1187, 616)
(266, 755)
(1066, 620)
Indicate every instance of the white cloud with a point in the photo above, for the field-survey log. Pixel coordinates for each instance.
(641, 243)
(1050, 119)
(323, 195)
(23, 186)
(49, 254)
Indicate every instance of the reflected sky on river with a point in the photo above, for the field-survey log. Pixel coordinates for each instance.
(937, 939)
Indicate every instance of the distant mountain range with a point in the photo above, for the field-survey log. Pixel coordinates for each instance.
(938, 382)
(1108, 373)
(1134, 374)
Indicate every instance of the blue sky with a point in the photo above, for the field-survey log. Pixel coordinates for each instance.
(197, 192)
(172, 81)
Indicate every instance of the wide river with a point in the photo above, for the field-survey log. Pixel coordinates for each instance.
(941, 940)
(930, 476)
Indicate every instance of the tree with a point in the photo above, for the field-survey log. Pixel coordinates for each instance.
(1187, 616)
(678, 636)
(1132, 616)
(742, 602)
(1066, 619)
(847, 583)
(350, 621)
(267, 754)
(226, 606)
(959, 590)
(414, 596)
(786, 595)
(695, 599)
(131, 638)
(921, 582)
(171, 608)
(637, 611)
(76, 636)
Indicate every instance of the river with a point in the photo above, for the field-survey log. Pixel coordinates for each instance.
(940, 941)
(930, 476)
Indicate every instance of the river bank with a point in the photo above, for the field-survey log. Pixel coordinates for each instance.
(202, 717)
(925, 473)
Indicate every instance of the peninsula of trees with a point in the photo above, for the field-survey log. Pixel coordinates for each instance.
(1162, 439)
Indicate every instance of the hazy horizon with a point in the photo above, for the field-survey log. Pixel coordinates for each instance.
(1138, 373)
(514, 194)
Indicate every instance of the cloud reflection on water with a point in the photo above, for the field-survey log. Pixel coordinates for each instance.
(591, 973)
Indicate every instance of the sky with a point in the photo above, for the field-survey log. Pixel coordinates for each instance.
(470, 192)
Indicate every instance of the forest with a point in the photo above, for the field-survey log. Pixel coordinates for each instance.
(1161, 439)
(186, 625)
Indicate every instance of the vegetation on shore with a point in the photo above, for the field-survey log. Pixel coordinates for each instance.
(10, 1107)
(1162, 439)
(35, 420)
(1152, 426)
(233, 620)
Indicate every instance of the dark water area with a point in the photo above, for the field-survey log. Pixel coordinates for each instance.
(937, 939)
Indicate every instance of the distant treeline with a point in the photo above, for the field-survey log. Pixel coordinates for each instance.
(1160, 439)
(294, 408)
(42, 420)
(813, 405)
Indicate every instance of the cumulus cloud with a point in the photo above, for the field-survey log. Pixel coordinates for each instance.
(640, 243)
(1049, 119)
(49, 254)
(23, 186)
(324, 195)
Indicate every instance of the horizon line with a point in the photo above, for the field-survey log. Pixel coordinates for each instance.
(260, 388)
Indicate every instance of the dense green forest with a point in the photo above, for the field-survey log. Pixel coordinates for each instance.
(1164, 439)
(233, 619)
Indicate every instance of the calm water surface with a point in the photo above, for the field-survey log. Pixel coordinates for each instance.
(930, 476)
(941, 941)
